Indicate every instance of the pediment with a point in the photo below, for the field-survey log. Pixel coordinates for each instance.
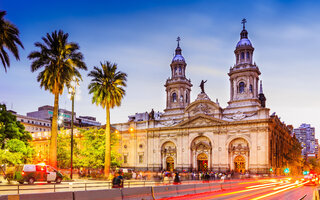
(200, 120)
(206, 107)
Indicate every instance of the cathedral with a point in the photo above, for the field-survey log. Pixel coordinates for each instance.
(200, 135)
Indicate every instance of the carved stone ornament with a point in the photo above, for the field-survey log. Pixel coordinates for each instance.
(201, 108)
(239, 116)
(170, 123)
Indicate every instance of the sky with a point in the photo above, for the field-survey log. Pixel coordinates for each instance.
(140, 36)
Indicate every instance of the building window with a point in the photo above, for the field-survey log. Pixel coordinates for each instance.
(140, 159)
(248, 55)
(125, 159)
(241, 87)
(180, 71)
(175, 70)
(186, 97)
(21, 120)
(174, 97)
(251, 90)
(242, 55)
(181, 98)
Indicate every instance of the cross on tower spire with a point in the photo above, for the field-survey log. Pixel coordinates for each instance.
(244, 21)
(178, 40)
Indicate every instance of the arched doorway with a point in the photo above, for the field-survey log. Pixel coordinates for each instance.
(170, 163)
(239, 155)
(239, 164)
(168, 156)
(202, 160)
(201, 153)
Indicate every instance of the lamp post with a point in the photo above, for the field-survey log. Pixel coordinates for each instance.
(72, 91)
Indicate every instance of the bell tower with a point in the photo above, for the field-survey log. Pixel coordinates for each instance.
(178, 87)
(244, 75)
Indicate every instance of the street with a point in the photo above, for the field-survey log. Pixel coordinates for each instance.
(255, 190)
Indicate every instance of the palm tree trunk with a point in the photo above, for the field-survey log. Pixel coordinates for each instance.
(54, 133)
(107, 160)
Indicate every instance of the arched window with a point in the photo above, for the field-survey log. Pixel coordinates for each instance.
(186, 97)
(248, 55)
(237, 56)
(175, 70)
(242, 55)
(180, 71)
(241, 87)
(181, 98)
(251, 90)
(174, 97)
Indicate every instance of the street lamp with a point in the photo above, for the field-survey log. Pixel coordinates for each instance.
(72, 92)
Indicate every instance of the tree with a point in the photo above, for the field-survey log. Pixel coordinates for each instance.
(14, 140)
(9, 39)
(107, 86)
(61, 60)
(92, 151)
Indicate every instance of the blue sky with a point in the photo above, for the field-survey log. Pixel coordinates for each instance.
(140, 36)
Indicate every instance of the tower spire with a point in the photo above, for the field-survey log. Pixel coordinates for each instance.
(260, 91)
(243, 22)
(262, 98)
(178, 40)
(178, 49)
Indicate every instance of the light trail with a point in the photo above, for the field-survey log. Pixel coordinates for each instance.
(279, 191)
(236, 192)
(277, 188)
(255, 186)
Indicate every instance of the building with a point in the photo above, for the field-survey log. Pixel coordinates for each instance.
(33, 124)
(85, 121)
(306, 136)
(200, 134)
(46, 112)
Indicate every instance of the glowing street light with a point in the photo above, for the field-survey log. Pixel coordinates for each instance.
(60, 120)
(72, 94)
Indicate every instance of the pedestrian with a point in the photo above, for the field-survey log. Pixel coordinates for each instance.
(117, 181)
(134, 175)
(177, 179)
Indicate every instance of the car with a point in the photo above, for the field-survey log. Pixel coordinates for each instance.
(35, 172)
(313, 179)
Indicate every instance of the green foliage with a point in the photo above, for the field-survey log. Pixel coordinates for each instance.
(314, 164)
(107, 85)
(89, 149)
(9, 40)
(64, 149)
(60, 60)
(92, 149)
(14, 140)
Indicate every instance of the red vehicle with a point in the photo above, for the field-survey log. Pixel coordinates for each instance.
(312, 178)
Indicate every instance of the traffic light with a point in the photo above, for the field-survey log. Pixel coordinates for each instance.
(286, 170)
(305, 172)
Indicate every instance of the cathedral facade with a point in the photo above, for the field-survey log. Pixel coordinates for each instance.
(200, 135)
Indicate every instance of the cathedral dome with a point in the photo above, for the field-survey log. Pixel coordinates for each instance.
(244, 42)
(178, 58)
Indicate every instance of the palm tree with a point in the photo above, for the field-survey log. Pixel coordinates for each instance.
(60, 61)
(107, 86)
(9, 39)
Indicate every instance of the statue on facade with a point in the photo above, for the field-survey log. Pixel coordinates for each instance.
(202, 86)
(151, 115)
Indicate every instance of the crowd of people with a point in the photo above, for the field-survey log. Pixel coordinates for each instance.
(177, 177)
